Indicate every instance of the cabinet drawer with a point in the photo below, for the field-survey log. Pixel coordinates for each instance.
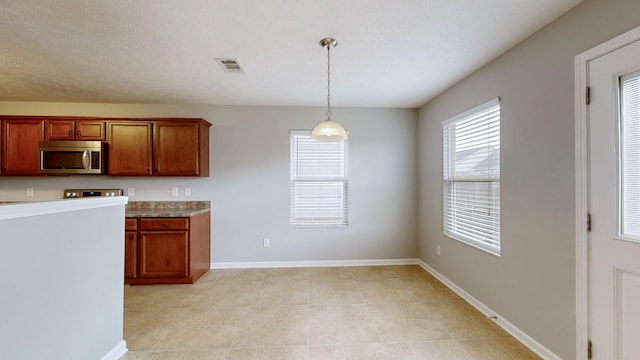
(130, 224)
(164, 223)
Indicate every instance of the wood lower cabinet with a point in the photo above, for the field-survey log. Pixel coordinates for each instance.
(168, 250)
(130, 248)
(164, 248)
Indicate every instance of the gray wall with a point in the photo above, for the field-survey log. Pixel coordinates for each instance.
(62, 295)
(249, 182)
(532, 284)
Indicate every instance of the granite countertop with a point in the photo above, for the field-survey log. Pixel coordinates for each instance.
(166, 208)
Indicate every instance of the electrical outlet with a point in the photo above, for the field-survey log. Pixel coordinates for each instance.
(30, 192)
(187, 191)
(438, 250)
(266, 242)
(174, 191)
(131, 192)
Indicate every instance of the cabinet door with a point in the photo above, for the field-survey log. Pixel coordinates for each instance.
(20, 146)
(130, 254)
(164, 254)
(176, 149)
(90, 130)
(74, 130)
(59, 129)
(129, 148)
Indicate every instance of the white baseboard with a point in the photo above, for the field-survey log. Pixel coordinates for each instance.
(117, 352)
(527, 340)
(319, 263)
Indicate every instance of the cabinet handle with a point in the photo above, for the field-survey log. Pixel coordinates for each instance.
(78, 133)
(70, 133)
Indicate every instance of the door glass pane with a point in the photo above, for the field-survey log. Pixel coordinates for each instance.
(629, 152)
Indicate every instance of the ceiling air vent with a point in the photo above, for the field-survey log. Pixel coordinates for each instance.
(230, 65)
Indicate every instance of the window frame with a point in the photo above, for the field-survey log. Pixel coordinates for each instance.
(625, 232)
(330, 180)
(466, 229)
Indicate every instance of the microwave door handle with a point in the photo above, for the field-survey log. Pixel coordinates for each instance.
(86, 161)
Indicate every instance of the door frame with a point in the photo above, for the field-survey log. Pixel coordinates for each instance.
(581, 75)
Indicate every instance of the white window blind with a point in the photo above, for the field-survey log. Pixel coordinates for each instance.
(630, 156)
(318, 181)
(471, 174)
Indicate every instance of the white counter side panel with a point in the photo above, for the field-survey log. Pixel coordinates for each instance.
(62, 279)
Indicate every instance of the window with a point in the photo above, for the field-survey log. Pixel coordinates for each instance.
(471, 172)
(318, 181)
(629, 153)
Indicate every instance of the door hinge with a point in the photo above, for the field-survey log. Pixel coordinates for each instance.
(589, 353)
(587, 95)
(588, 222)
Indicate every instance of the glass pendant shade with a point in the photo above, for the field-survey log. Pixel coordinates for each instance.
(329, 130)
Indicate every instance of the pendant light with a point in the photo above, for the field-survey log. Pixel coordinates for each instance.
(329, 130)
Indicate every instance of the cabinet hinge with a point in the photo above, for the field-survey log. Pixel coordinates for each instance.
(587, 95)
(589, 354)
(588, 222)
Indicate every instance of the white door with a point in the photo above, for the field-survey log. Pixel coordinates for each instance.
(614, 204)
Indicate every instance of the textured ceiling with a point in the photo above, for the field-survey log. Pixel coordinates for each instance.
(391, 53)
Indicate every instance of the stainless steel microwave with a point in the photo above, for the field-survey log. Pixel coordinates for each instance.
(71, 157)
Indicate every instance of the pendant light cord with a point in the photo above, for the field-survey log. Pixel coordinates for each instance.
(328, 82)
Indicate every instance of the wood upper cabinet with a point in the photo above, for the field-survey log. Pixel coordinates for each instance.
(171, 147)
(134, 147)
(20, 146)
(129, 148)
(181, 148)
(62, 129)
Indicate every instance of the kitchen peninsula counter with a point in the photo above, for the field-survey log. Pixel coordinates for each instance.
(142, 209)
(62, 262)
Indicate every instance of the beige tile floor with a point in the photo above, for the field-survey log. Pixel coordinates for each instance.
(382, 312)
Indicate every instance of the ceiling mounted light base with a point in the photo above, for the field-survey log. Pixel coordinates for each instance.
(328, 42)
(329, 130)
